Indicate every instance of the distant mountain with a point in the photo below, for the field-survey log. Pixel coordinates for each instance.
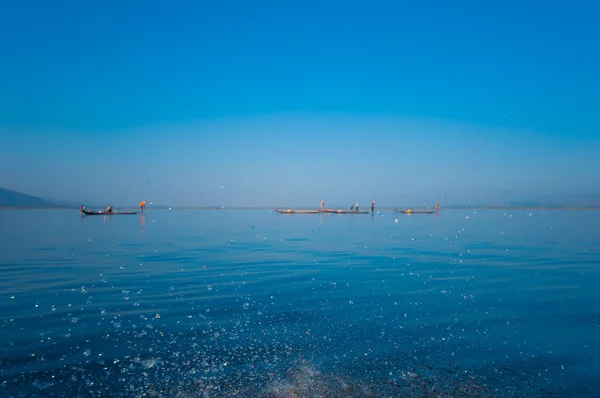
(10, 198)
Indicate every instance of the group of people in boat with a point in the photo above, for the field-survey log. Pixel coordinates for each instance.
(109, 209)
(352, 208)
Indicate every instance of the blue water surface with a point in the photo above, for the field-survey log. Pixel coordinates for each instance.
(188, 303)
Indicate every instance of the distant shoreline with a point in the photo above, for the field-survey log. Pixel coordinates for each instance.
(237, 208)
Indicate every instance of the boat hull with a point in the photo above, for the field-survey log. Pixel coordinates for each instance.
(345, 212)
(290, 211)
(297, 211)
(414, 212)
(103, 213)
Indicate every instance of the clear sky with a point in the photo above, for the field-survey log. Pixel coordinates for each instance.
(286, 103)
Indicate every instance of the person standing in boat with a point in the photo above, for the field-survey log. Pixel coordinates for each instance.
(143, 205)
(322, 204)
(109, 209)
(372, 206)
(356, 206)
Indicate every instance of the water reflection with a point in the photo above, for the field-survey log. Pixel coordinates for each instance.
(143, 223)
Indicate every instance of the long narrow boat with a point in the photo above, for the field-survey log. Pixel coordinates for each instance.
(327, 211)
(414, 212)
(345, 212)
(104, 213)
(290, 211)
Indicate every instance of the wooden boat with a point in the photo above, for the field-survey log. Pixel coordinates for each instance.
(345, 212)
(290, 211)
(104, 213)
(409, 211)
(328, 211)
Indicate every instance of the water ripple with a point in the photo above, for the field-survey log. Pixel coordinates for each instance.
(253, 304)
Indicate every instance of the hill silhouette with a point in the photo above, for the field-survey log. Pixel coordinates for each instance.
(9, 198)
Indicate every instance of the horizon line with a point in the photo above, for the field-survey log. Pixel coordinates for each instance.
(217, 208)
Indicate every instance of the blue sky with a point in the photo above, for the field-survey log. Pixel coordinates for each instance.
(287, 103)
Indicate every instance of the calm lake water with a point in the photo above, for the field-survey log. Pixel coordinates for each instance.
(254, 303)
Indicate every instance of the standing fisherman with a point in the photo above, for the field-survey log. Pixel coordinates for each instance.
(372, 206)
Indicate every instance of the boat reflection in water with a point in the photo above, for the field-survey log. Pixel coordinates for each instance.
(143, 223)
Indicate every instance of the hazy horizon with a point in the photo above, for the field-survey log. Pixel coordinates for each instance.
(287, 105)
